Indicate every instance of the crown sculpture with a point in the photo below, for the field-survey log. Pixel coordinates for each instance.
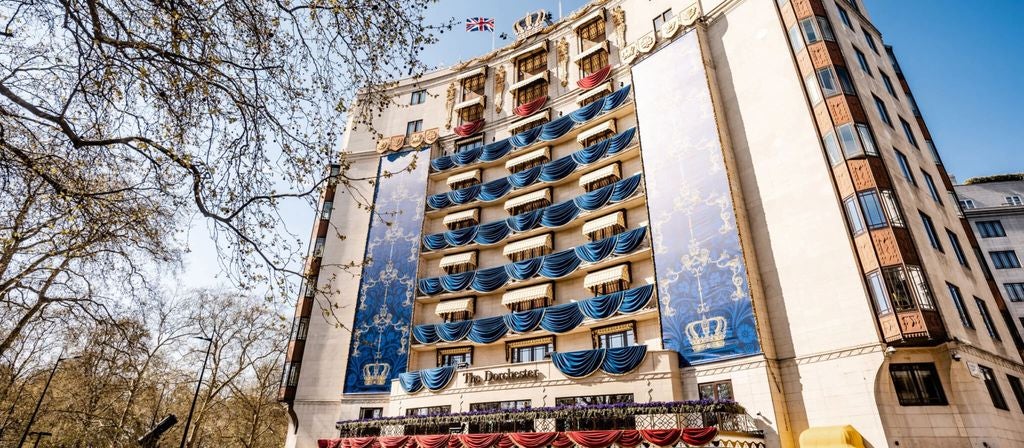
(376, 373)
(531, 24)
(707, 333)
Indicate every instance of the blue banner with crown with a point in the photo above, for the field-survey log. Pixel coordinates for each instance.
(380, 330)
(703, 289)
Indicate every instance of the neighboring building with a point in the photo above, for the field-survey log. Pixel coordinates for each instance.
(655, 201)
(996, 212)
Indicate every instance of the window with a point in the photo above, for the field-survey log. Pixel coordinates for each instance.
(591, 33)
(307, 289)
(845, 17)
(961, 308)
(993, 388)
(917, 384)
(718, 390)
(1004, 259)
(898, 287)
(662, 18)
(986, 317)
(853, 216)
(795, 39)
(531, 64)
(292, 374)
(531, 92)
(500, 405)
(954, 242)
(429, 410)
(615, 336)
(835, 156)
(300, 328)
(870, 40)
(853, 4)
(883, 112)
(877, 290)
(1013, 200)
(318, 246)
(325, 212)
(920, 285)
(1015, 291)
(530, 350)
(856, 140)
(892, 209)
(454, 356)
(365, 413)
(813, 90)
(935, 152)
(873, 214)
(845, 81)
(417, 97)
(913, 105)
(967, 204)
(1018, 390)
(413, 127)
(829, 84)
(594, 62)
(909, 132)
(863, 61)
(905, 167)
(929, 229)
(931, 187)
(587, 400)
(467, 145)
(867, 139)
(817, 29)
(888, 84)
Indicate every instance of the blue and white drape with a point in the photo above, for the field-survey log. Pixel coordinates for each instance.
(546, 132)
(613, 361)
(552, 216)
(556, 319)
(555, 265)
(433, 379)
(552, 171)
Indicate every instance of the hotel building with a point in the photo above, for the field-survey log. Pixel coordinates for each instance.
(653, 221)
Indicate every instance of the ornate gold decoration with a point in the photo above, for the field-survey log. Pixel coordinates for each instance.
(450, 104)
(416, 139)
(430, 136)
(396, 142)
(531, 24)
(376, 373)
(619, 22)
(382, 145)
(562, 53)
(499, 88)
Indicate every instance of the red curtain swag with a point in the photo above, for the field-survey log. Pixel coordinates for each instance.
(592, 80)
(467, 129)
(527, 109)
(629, 438)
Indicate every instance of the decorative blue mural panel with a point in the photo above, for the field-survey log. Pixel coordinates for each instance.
(383, 318)
(703, 289)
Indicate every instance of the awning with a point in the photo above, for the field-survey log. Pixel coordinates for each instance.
(607, 126)
(527, 244)
(472, 214)
(529, 120)
(475, 72)
(527, 294)
(607, 221)
(606, 276)
(470, 102)
(542, 45)
(459, 259)
(603, 46)
(454, 306)
(538, 77)
(456, 179)
(537, 154)
(831, 437)
(600, 90)
(537, 196)
(588, 18)
(610, 171)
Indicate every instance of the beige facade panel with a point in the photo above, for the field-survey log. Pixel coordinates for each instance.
(606, 276)
(543, 116)
(542, 291)
(536, 196)
(456, 179)
(607, 221)
(472, 214)
(606, 126)
(541, 153)
(458, 259)
(528, 244)
(611, 171)
(454, 306)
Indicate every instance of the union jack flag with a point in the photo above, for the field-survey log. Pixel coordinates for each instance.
(479, 24)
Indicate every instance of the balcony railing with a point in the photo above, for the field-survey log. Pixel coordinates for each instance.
(726, 416)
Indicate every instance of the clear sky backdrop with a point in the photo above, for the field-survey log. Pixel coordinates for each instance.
(965, 65)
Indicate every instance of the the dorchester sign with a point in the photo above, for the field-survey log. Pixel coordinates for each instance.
(489, 376)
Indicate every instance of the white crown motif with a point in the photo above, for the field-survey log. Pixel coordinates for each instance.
(707, 333)
(533, 22)
(376, 373)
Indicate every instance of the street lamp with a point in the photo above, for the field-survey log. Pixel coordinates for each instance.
(188, 420)
(39, 435)
(32, 419)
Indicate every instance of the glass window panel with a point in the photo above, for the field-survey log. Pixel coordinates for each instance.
(810, 31)
(813, 90)
(899, 290)
(877, 290)
(958, 302)
(826, 29)
(828, 82)
(848, 138)
(872, 208)
(853, 216)
(867, 139)
(835, 155)
(892, 208)
(845, 80)
(920, 285)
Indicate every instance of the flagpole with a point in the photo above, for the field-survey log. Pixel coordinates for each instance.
(492, 39)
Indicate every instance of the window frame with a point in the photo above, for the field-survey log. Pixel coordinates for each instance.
(930, 231)
(862, 61)
(413, 127)
(958, 250)
(986, 318)
(876, 209)
(1017, 388)
(1014, 291)
(844, 17)
(514, 348)
(601, 336)
(1000, 258)
(870, 40)
(904, 164)
(887, 82)
(961, 306)
(660, 20)
(933, 190)
(883, 111)
(995, 393)
(715, 390)
(927, 390)
(908, 132)
(417, 97)
(992, 228)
